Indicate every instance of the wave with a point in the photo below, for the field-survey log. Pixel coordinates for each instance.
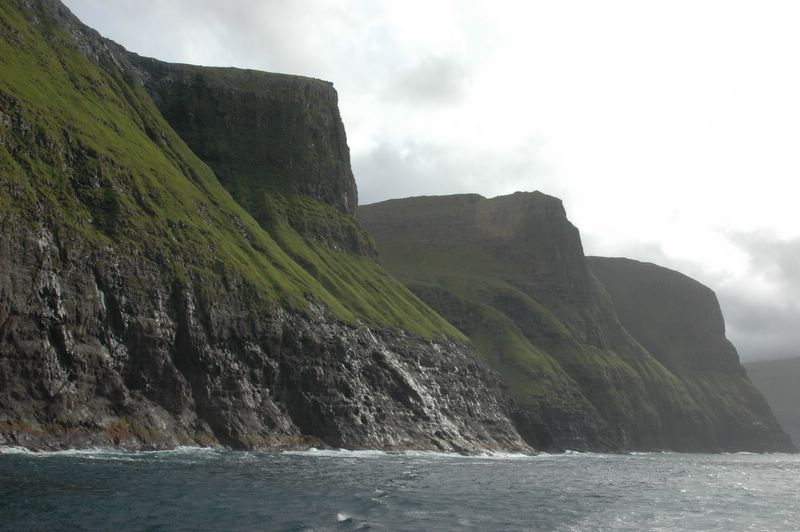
(11, 449)
(61, 452)
(106, 452)
(341, 453)
(743, 453)
(482, 455)
(375, 453)
(212, 452)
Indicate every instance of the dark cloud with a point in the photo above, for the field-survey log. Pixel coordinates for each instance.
(761, 330)
(766, 326)
(777, 260)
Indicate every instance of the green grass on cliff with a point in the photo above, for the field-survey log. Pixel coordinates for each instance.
(557, 346)
(86, 154)
(129, 180)
(356, 279)
(566, 352)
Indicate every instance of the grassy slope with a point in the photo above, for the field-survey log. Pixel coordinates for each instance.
(86, 153)
(539, 346)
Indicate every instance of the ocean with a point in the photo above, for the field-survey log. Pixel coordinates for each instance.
(203, 489)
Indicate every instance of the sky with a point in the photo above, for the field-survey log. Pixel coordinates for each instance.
(670, 129)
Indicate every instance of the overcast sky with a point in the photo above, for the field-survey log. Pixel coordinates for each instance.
(671, 129)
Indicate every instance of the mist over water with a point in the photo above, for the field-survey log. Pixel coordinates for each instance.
(340, 490)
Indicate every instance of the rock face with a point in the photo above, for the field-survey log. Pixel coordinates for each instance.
(510, 273)
(142, 306)
(679, 321)
(260, 132)
(777, 380)
(276, 142)
(673, 316)
(97, 350)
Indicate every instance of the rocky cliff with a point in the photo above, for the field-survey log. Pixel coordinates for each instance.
(144, 305)
(673, 316)
(679, 321)
(273, 140)
(180, 264)
(777, 380)
(510, 273)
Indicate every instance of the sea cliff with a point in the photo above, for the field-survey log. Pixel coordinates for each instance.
(144, 305)
(511, 274)
(182, 262)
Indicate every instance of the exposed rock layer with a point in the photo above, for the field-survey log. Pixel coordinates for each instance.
(100, 348)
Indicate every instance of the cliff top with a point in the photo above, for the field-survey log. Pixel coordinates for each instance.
(673, 316)
(524, 237)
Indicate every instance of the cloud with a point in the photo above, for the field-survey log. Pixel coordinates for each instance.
(433, 81)
(762, 309)
(418, 168)
(776, 260)
(761, 330)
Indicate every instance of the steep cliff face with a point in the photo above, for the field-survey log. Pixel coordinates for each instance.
(142, 306)
(510, 273)
(679, 321)
(99, 350)
(273, 140)
(777, 380)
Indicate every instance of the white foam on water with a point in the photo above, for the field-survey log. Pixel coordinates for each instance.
(64, 452)
(585, 454)
(187, 449)
(744, 453)
(339, 453)
(367, 453)
(342, 517)
(433, 454)
(211, 452)
(110, 453)
(483, 455)
(371, 454)
(498, 455)
(11, 449)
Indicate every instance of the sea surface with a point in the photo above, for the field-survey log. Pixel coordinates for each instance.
(200, 489)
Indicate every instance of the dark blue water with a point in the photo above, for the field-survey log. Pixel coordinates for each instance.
(193, 489)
